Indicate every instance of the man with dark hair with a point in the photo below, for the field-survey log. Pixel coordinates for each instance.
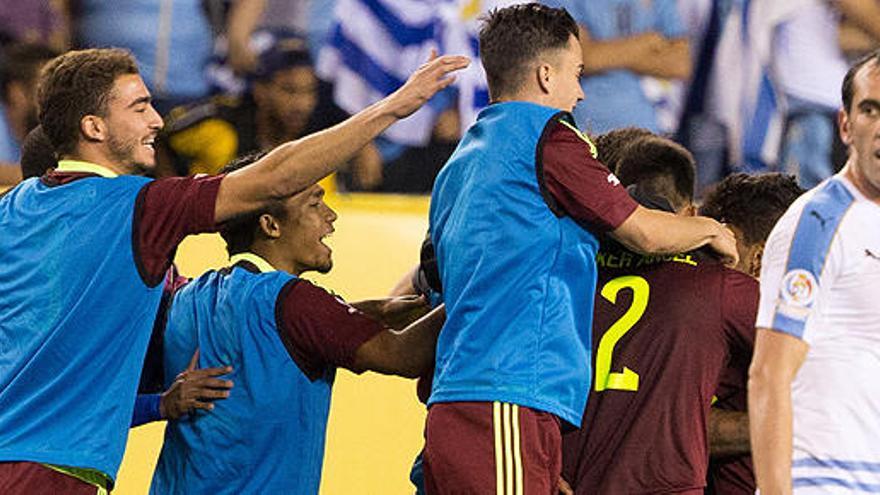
(660, 168)
(657, 361)
(85, 249)
(610, 145)
(19, 67)
(813, 399)
(514, 218)
(750, 205)
(37, 154)
(285, 338)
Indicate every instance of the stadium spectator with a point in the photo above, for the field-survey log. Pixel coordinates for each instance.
(657, 362)
(812, 401)
(513, 219)
(280, 105)
(635, 53)
(20, 65)
(278, 410)
(750, 205)
(99, 243)
(172, 42)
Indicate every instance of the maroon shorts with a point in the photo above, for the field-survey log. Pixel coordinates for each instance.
(31, 478)
(491, 448)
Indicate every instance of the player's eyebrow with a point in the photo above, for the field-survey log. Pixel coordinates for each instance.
(146, 99)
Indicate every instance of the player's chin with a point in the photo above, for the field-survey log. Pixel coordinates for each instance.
(325, 266)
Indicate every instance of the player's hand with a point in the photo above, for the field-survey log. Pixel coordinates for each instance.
(724, 244)
(564, 487)
(194, 389)
(424, 83)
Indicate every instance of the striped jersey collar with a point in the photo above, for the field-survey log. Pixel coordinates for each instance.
(261, 264)
(85, 167)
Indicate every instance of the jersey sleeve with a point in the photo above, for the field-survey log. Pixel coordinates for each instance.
(166, 211)
(319, 329)
(739, 306)
(578, 184)
(799, 260)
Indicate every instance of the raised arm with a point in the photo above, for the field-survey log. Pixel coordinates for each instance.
(778, 357)
(295, 165)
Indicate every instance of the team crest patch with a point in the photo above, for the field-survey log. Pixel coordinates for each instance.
(799, 288)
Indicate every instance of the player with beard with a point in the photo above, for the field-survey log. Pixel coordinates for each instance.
(86, 247)
(285, 338)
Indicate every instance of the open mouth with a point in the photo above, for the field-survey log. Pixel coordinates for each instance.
(323, 238)
(150, 143)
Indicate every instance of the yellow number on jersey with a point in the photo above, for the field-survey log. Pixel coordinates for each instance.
(628, 379)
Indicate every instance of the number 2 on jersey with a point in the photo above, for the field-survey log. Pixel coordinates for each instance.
(628, 379)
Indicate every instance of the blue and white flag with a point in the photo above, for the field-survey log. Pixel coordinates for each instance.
(376, 44)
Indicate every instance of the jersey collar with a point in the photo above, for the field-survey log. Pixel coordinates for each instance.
(261, 264)
(85, 167)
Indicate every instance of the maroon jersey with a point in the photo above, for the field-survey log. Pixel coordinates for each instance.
(663, 330)
(732, 475)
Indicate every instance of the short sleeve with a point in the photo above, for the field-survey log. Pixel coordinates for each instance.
(579, 185)
(166, 211)
(799, 259)
(320, 330)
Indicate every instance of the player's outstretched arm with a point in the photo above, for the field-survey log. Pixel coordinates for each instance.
(395, 312)
(728, 432)
(777, 358)
(293, 166)
(657, 232)
(408, 353)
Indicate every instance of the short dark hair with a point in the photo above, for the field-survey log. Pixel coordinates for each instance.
(752, 203)
(77, 84)
(610, 144)
(660, 167)
(846, 89)
(21, 62)
(513, 36)
(37, 154)
(239, 233)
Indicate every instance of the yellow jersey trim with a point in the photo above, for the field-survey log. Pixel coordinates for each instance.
(85, 167)
(261, 264)
(593, 151)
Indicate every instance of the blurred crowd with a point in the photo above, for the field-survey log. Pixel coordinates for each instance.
(745, 85)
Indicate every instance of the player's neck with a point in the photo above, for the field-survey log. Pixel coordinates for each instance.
(274, 257)
(858, 179)
(91, 154)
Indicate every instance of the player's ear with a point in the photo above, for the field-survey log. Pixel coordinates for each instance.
(843, 126)
(544, 75)
(755, 261)
(269, 226)
(93, 128)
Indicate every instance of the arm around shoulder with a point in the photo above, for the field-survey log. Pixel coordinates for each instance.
(408, 353)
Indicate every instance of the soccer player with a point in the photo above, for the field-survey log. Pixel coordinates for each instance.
(84, 251)
(662, 330)
(750, 205)
(285, 338)
(514, 215)
(813, 393)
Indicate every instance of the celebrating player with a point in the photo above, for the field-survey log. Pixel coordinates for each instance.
(85, 248)
(285, 338)
(656, 358)
(513, 218)
(813, 393)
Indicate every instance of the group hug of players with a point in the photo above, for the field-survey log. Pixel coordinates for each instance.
(586, 332)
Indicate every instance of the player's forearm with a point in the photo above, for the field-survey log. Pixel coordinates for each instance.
(728, 433)
(408, 353)
(656, 232)
(770, 425)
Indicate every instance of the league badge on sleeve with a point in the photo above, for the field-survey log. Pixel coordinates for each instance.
(799, 288)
